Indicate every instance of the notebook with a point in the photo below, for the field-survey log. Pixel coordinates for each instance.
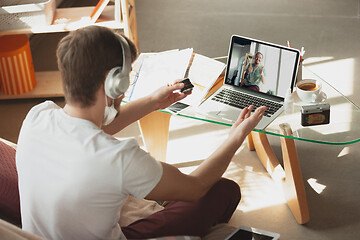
(257, 73)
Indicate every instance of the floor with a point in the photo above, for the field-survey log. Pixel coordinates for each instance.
(330, 32)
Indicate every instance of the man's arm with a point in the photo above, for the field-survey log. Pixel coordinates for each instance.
(262, 74)
(134, 110)
(175, 185)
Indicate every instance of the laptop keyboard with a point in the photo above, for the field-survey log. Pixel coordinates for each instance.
(242, 100)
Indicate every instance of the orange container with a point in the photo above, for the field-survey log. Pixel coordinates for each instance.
(17, 75)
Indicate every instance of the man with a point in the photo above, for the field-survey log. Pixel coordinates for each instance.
(254, 74)
(74, 177)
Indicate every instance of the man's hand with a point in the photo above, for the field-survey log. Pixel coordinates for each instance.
(117, 102)
(261, 70)
(262, 74)
(165, 96)
(246, 122)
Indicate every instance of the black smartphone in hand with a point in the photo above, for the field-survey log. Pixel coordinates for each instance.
(188, 86)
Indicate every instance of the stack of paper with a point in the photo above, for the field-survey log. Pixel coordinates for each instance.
(154, 70)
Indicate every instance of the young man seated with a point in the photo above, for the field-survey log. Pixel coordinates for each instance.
(74, 176)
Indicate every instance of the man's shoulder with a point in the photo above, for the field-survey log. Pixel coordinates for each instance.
(36, 113)
(47, 105)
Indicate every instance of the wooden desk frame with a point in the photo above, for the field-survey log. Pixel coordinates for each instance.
(289, 176)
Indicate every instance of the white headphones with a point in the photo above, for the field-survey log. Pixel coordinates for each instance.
(117, 80)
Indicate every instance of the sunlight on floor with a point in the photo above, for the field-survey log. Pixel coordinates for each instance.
(339, 73)
(191, 140)
(345, 151)
(319, 188)
(258, 189)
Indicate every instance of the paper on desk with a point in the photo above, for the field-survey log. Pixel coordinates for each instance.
(159, 69)
(203, 73)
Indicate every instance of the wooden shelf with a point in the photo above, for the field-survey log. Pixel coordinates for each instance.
(121, 15)
(69, 19)
(48, 84)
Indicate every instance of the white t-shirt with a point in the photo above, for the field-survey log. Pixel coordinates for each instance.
(74, 178)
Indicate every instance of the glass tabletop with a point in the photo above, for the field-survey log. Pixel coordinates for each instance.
(344, 126)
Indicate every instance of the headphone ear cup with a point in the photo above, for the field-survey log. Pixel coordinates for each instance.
(116, 82)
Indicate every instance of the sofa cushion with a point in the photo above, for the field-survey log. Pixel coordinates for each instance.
(11, 232)
(9, 191)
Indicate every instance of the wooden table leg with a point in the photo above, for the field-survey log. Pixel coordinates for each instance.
(289, 176)
(155, 133)
(250, 142)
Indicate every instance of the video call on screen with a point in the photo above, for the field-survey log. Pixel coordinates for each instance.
(277, 64)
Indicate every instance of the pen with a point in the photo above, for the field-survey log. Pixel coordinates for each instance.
(190, 63)
(302, 52)
(135, 80)
(198, 85)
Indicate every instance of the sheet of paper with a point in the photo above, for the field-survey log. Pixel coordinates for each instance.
(159, 69)
(203, 73)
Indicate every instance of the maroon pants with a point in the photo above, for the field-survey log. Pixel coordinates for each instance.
(189, 218)
(252, 87)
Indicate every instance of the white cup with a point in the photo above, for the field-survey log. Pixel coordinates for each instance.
(309, 90)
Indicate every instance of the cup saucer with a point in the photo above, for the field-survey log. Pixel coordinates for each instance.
(321, 98)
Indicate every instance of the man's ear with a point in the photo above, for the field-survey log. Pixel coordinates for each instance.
(100, 93)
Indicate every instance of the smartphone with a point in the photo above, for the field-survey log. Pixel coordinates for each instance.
(188, 86)
(177, 107)
(250, 233)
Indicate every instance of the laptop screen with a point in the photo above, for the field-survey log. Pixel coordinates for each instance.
(260, 66)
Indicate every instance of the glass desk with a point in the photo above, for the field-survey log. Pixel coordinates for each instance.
(344, 128)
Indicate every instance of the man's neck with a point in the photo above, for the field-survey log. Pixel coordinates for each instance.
(88, 113)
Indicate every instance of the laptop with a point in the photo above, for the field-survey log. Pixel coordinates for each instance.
(257, 73)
